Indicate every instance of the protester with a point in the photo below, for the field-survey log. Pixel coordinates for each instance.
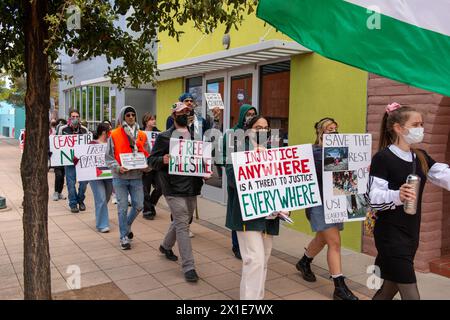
(255, 236)
(127, 138)
(76, 198)
(396, 232)
(59, 171)
(149, 178)
(101, 189)
(246, 113)
(326, 234)
(180, 193)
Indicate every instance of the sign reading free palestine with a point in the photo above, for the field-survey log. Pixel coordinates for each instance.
(91, 162)
(279, 179)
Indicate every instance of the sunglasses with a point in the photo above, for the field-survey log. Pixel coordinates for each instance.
(129, 115)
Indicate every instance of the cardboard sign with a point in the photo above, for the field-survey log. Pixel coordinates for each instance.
(214, 100)
(190, 158)
(22, 139)
(134, 160)
(151, 137)
(91, 162)
(346, 160)
(279, 179)
(62, 148)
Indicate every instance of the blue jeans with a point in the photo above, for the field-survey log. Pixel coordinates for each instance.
(102, 190)
(123, 187)
(71, 180)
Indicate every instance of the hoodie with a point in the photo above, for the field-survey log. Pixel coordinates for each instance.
(111, 161)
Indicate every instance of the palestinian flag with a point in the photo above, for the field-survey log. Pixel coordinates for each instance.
(404, 40)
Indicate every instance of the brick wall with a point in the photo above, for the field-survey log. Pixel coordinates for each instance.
(436, 111)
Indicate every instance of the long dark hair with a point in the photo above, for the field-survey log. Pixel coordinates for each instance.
(102, 127)
(388, 135)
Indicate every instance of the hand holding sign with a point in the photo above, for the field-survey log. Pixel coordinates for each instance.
(214, 100)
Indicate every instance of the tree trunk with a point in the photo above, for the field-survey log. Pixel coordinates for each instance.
(34, 167)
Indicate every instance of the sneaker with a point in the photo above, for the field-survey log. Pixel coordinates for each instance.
(169, 253)
(74, 210)
(55, 196)
(61, 196)
(82, 206)
(237, 253)
(130, 235)
(191, 235)
(125, 244)
(104, 230)
(191, 276)
(113, 198)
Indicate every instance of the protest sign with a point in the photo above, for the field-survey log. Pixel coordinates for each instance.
(62, 148)
(22, 139)
(279, 179)
(91, 162)
(214, 100)
(190, 158)
(134, 160)
(346, 161)
(151, 137)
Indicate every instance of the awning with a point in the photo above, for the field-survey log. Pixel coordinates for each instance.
(251, 54)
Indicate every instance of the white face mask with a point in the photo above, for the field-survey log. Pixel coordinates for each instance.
(415, 135)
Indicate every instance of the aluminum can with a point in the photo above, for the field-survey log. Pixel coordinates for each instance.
(410, 207)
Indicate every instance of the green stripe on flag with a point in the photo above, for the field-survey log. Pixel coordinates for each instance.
(338, 30)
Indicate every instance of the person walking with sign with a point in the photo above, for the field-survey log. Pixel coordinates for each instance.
(149, 178)
(76, 198)
(255, 236)
(326, 234)
(59, 171)
(101, 189)
(180, 193)
(398, 203)
(126, 147)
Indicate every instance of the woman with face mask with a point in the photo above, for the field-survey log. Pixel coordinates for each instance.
(396, 232)
(255, 236)
(326, 234)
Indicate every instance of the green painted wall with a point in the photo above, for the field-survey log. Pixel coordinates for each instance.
(324, 88)
(166, 95)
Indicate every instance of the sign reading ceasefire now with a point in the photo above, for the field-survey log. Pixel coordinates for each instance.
(279, 179)
(62, 148)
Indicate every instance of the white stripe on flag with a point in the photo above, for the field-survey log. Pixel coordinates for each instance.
(426, 14)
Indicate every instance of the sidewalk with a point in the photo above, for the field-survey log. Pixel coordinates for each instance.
(143, 273)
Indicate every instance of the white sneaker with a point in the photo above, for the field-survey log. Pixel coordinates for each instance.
(55, 196)
(114, 198)
(125, 244)
(191, 235)
(104, 230)
(61, 196)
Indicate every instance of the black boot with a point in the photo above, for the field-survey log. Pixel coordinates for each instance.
(341, 291)
(304, 266)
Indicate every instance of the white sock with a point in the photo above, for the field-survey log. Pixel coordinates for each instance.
(334, 276)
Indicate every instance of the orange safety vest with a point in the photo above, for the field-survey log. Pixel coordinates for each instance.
(122, 144)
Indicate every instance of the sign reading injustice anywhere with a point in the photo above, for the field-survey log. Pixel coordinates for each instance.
(190, 158)
(214, 100)
(134, 160)
(62, 148)
(346, 161)
(91, 162)
(279, 179)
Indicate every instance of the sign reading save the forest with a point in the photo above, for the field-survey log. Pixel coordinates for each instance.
(62, 148)
(91, 163)
(279, 179)
(190, 158)
(346, 161)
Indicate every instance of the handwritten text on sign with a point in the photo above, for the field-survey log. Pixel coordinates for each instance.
(151, 137)
(190, 158)
(62, 148)
(280, 179)
(346, 161)
(91, 164)
(214, 100)
(134, 160)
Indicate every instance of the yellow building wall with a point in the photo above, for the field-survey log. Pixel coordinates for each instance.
(323, 88)
(166, 95)
(193, 43)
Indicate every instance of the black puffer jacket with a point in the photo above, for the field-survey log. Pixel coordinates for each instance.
(171, 185)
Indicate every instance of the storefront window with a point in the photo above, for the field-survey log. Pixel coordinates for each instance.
(113, 111)
(195, 86)
(241, 93)
(98, 106)
(274, 96)
(105, 107)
